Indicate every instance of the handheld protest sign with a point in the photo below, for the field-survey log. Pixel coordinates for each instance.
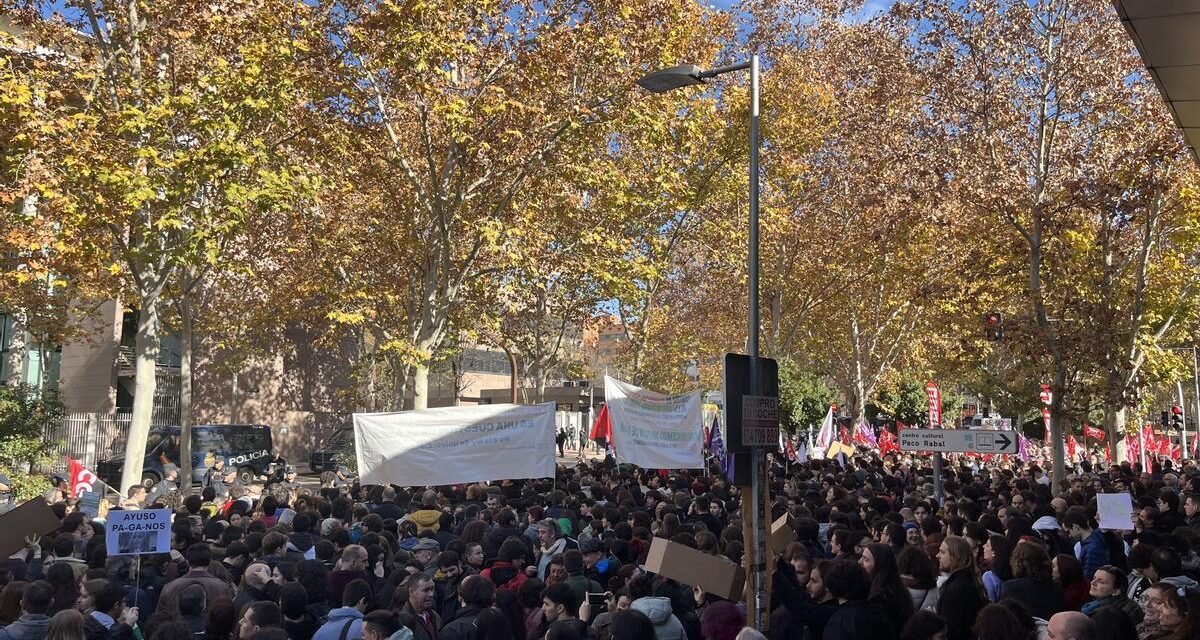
(138, 532)
(31, 518)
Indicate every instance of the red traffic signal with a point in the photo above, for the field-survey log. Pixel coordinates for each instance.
(1176, 410)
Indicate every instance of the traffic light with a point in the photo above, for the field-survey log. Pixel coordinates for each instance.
(1165, 419)
(993, 326)
(1176, 418)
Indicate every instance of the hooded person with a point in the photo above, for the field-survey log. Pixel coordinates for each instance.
(507, 572)
(658, 610)
(346, 621)
(301, 544)
(429, 517)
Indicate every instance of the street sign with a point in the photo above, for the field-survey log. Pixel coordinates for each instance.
(739, 369)
(958, 440)
(760, 421)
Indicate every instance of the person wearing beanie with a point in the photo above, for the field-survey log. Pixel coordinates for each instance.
(721, 621)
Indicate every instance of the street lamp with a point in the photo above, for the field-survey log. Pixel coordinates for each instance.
(687, 75)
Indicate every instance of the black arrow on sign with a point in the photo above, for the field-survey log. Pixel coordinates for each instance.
(1007, 442)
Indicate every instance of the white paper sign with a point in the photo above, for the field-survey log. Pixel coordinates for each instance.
(138, 532)
(1115, 511)
(454, 445)
(653, 430)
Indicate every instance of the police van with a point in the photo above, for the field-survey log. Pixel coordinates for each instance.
(245, 447)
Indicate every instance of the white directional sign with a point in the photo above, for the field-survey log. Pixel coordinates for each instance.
(958, 440)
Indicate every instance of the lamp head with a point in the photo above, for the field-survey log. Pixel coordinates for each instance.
(662, 81)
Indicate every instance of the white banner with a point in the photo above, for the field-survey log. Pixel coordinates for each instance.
(655, 431)
(455, 445)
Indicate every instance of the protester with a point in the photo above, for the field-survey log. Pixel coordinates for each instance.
(962, 596)
(1069, 575)
(1107, 590)
(519, 558)
(1033, 581)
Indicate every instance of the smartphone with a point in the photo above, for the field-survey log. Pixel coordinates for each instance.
(597, 601)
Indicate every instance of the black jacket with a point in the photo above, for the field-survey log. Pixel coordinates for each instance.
(388, 511)
(1042, 600)
(960, 600)
(801, 608)
(460, 627)
(495, 538)
(857, 620)
(93, 630)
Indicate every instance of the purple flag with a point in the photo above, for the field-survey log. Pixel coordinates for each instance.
(864, 434)
(716, 448)
(1022, 448)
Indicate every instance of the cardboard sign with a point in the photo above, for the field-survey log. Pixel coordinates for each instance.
(31, 518)
(129, 533)
(782, 534)
(681, 563)
(89, 503)
(1115, 511)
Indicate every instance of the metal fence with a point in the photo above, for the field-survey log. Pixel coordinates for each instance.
(92, 437)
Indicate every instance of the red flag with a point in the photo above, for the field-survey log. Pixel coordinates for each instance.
(791, 452)
(1196, 445)
(1092, 432)
(1072, 445)
(1175, 453)
(1108, 452)
(1133, 445)
(887, 442)
(82, 480)
(1046, 420)
(844, 436)
(603, 426)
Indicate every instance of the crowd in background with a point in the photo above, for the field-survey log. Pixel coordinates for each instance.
(875, 557)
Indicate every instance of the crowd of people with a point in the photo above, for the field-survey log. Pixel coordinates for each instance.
(1005, 556)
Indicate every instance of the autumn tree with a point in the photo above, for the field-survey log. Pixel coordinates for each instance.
(478, 103)
(159, 132)
(1042, 105)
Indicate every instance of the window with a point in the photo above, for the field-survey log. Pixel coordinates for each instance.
(482, 361)
(245, 440)
(212, 440)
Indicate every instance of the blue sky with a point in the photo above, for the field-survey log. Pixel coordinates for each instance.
(871, 7)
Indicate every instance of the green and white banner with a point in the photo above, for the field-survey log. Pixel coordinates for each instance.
(653, 430)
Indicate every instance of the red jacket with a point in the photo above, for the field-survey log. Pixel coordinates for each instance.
(504, 575)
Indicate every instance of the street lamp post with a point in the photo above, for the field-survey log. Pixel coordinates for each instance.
(689, 75)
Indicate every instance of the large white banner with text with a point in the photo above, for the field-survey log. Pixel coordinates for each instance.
(653, 430)
(455, 445)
